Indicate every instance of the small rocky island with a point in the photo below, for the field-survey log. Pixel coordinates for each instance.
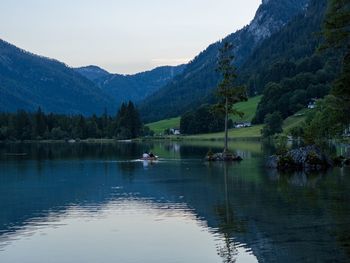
(309, 158)
(222, 157)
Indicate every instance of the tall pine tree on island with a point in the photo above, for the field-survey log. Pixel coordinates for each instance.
(229, 94)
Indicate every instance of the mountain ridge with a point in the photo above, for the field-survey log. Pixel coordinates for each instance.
(29, 81)
(133, 87)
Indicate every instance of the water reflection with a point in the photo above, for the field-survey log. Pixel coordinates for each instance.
(99, 204)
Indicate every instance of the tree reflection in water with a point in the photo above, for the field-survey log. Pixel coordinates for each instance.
(229, 223)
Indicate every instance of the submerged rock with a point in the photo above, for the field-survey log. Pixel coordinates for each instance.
(305, 158)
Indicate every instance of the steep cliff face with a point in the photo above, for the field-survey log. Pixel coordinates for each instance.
(190, 88)
(273, 15)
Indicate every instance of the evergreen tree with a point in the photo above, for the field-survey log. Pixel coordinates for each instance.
(228, 93)
(39, 124)
(23, 126)
(273, 124)
(128, 123)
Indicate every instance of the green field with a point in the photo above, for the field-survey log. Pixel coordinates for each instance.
(251, 132)
(294, 120)
(248, 107)
(159, 126)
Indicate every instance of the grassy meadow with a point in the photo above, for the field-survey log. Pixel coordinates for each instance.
(248, 107)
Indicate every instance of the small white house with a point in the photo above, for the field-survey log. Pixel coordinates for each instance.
(175, 131)
(312, 104)
(242, 125)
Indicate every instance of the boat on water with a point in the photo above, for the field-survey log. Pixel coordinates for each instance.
(155, 158)
(149, 157)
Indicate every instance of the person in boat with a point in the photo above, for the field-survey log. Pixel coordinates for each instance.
(145, 155)
(151, 155)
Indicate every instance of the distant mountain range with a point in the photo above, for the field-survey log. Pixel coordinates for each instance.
(131, 87)
(92, 72)
(28, 81)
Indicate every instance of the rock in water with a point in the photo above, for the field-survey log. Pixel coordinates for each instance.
(223, 157)
(305, 158)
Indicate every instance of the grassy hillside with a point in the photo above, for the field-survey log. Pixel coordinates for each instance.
(253, 132)
(248, 107)
(159, 126)
(294, 120)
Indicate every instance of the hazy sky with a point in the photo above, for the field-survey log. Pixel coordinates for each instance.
(122, 36)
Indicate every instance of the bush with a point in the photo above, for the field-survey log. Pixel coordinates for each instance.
(273, 124)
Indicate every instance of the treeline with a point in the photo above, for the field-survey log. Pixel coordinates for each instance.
(24, 125)
(309, 79)
(202, 120)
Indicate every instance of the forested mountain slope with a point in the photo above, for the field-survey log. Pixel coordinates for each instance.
(288, 68)
(138, 86)
(198, 80)
(28, 81)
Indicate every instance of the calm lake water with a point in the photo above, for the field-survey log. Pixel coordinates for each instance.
(97, 203)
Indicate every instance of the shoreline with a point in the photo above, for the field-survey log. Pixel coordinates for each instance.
(146, 139)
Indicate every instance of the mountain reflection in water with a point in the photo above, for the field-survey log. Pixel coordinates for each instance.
(96, 203)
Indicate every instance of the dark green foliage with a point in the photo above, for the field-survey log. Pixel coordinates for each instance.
(128, 122)
(202, 120)
(28, 81)
(337, 34)
(39, 124)
(35, 126)
(332, 114)
(273, 124)
(288, 69)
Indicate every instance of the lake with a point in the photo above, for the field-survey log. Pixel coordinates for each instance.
(98, 203)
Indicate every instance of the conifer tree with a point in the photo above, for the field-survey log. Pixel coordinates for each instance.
(228, 93)
(39, 124)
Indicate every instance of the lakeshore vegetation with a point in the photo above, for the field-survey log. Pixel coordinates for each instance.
(24, 125)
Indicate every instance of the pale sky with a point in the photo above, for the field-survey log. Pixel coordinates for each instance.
(121, 36)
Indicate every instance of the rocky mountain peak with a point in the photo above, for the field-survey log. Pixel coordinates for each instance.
(272, 15)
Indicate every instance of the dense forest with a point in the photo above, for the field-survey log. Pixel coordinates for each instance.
(289, 69)
(202, 120)
(24, 125)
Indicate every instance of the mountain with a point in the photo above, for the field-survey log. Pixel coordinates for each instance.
(199, 79)
(131, 87)
(288, 69)
(29, 81)
(92, 72)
